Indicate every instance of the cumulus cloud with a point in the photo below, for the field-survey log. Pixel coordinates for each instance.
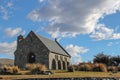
(73, 17)
(5, 9)
(103, 33)
(6, 47)
(12, 32)
(10, 4)
(41, 1)
(113, 43)
(4, 13)
(75, 52)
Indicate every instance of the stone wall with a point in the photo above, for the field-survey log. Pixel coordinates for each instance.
(31, 44)
(61, 59)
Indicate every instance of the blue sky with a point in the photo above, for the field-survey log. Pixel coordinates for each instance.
(83, 27)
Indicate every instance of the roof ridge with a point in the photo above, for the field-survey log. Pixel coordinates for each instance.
(61, 47)
(52, 45)
(44, 37)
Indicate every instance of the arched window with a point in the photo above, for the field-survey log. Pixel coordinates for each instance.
(65, 58)
(56, 57)
(59, 64)
(61, 58)
(68, 63)
(53, 64)
(64, 66)
(31, 58)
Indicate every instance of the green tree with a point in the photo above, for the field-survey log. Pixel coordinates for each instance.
(102, 58)
(115, 60)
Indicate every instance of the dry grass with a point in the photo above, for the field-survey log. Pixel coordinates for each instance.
(59, 71)
(36, 68)
(92, 67)
(9, 69)
(118, 68)
(6, 62)
(100, 67)
(112, 68)
(33, 66)
(86, 67)
(63, 75)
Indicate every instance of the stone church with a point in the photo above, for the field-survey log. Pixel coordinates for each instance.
(37, 49)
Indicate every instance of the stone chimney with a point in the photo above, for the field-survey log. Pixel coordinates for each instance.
(20, 38)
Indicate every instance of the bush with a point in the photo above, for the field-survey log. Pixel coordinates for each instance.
(15, 69)
(76, 68)
(30, 66)
(36, 68)
(100, 67)
(81, 68)
(9, 70)
(86, 67)
(92, 67)
(112, 68)
(71, 68)
(118, 68)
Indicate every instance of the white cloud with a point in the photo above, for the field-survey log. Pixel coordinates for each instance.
(73, 17)
(75, 52)
(34, 16)
(10, 5)
(4, 13)
(103, 33)
(55, 34)
(6, 9)
(12, 32)
(110, 44)
(113, 43)
(41, 1)
(6, 47)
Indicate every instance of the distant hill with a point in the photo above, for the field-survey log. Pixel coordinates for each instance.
(5, 61)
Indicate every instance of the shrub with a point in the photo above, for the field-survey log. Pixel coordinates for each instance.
(81, 68)
(118, 68)
(36, 68)
(86, 67)
(89, 67)
(15, 69)
(112, 68)
(71, 68)
(9, 70)
(100, 67)
(31, 66)
(92, 67)
(76, 67)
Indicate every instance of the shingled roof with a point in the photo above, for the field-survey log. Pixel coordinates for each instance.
(53, 46)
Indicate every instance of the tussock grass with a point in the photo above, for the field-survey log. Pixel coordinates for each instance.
(100, 67)
(118, 68)
(36, 68)
(112, 68)
(9, 70)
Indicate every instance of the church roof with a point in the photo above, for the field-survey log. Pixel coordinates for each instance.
(53, 46)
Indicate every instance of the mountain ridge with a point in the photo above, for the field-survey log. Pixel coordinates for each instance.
(6, 61)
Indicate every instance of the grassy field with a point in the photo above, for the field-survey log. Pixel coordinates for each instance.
(63, 75)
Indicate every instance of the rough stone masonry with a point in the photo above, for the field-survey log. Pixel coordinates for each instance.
(37, 49)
